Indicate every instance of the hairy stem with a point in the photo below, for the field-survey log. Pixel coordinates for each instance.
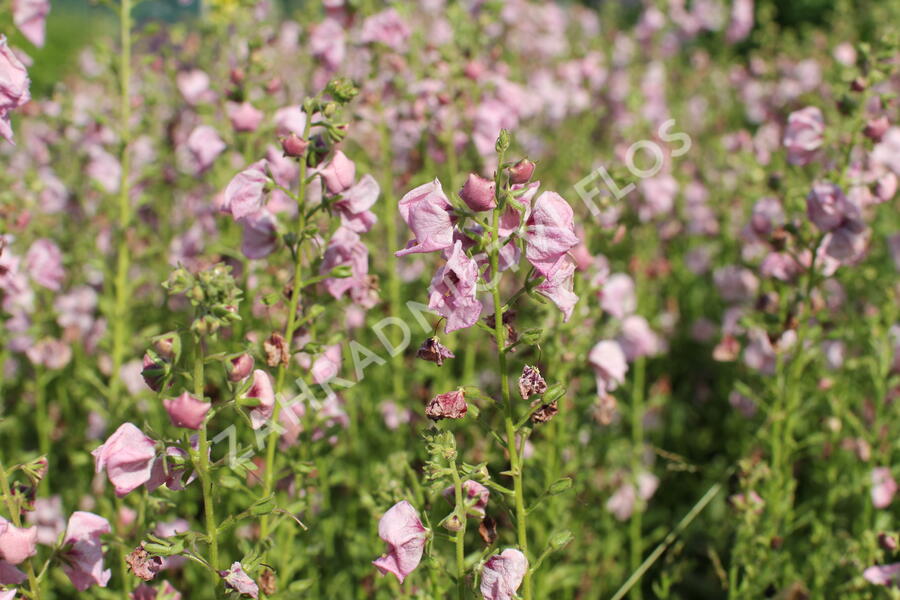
(212, 528)
(14, 516)
(460, 534)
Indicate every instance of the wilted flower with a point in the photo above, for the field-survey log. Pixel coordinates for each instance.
(405, 536)
(143, 564)
(531, 382)
(450, 405)
(236, 579)
(434, 351)
(472, 490)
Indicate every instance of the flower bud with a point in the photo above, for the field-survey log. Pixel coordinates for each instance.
(888, 541)
(186, 411)
(521, 172)
(478, 193)
(168, 346)
(294, 146)
(239, 367)
(876, 128)
(154, 370)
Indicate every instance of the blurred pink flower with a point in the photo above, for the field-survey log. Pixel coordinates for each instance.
(128, 457)
(617, 296)
(883, 487)
(205, 146)
(385, 27)
(741, 21)
(803, 135)
(83, 552)
(502, 575)
(244, 117)
(405, 536)
(14, 86)
(327, 365)
(44, 264)
(609, 364)
(30, 16)
(260, 236)
(638, 339)
(883, 574)
(193, 85)
(245, 193)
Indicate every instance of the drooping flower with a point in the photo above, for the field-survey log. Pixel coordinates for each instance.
(804, 135)
(16, 543)
(426, 212)
(531, 382)
(186, 411)
(354, 203)
(260, 234)
(550, 233)
(236, 578)
(327, 365)
(83, 552)
(205, 146)
(502, 575)
(472, 491)
(30, 16)
(609, 364)
(128, 457)
(434, 351)
(339, 174)
(453, 292)
(883, 574)
(245, 194)
(450, 405)
(558, 286)
(403, 532)
(478, 193)
(261, 389)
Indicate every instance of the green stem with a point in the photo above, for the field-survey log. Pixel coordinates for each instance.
(460, 534)
(515, 459)
(15, 517)
(389, 216)
(212, 529)
(272, 440)
(637, 441)
(120, 308)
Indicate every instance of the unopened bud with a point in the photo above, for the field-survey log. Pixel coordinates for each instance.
(521, 172)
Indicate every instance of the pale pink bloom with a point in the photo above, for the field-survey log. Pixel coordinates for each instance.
(883, 574)
(167, 474)
(887, 151)
(14, 86)
(327, 365)
(205, 146)
(245, 194)
(76, 308)
(875, 129)
(803, 135)
(741, 21)
(617, 297)
(847, 242)
(759, 353)
(260, 235)
(894, 249)
(244, 117)
(472, 490)
(426, 212)
(558, 288)
(128, 457)
(767, 214)
(828, 208)
(44, 264)
(30, 16)
(780, 265)
(478, 193)
(502, 575)
(327, 43)
(550, 233)
(736, 284)
(623, 501)
(17, 543)
(48, 519)
(104, 169)
(164, 592)
(82, 555)
(289, 120)
(659, 194)
(453, 293)
(186, 411)
(609, 364)
(236, 579)
(886, 187)
(193, 85)
(845, 54)
(638, 339)
(385, 27)
(355, 202)
(51, 353)
(8, 594)
(883, 487)
(346, 249)
(405, 536)
(339, 173)
(239, 367)
(261, 389)
(393, 415)
(833, 352)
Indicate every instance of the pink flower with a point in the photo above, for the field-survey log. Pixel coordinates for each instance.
(385, 27)
(346, 249)
(759, 353)
(104, 169)
(472, 490)
(47, 517)
(16, 543)
(246, 191)
(289, 120)
(803, 135)
(405, 536)
(558, 288)
(741, 21)
(617, 296)
(193, 85)
(886, 152)
(883, 487)
(239, 367)
(736, 284)
(478, 193)
(827, 207)
(450, 405)
(186, 411)
(327, 43)
(550, 233)
(205, 146)
(164, 592)
(244, 117)
(51, 353)
(83, 554)
(30, 16)
(609, 364)
(355, 202)
(883, 574)
(327, 365)
(261, 389)
(638, 339)
(9, 575)
(502, 575)
(236, 579)
(339, 173)
(128, 457)
(453, 293)
(260, 234)
(44, 263)
(14, 84)
(426, 212)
